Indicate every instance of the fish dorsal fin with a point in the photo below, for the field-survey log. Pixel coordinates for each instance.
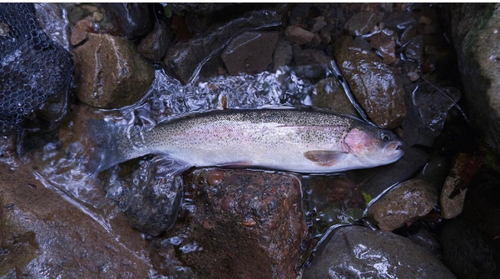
(325, 158)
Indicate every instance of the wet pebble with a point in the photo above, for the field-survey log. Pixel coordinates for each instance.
(415, 49)
(463, 169)
(110, 72)
(358, 252)
(250, 52)
(403, 204)
(319, 24)
(298, 35)
(399, 21)
(361, 23)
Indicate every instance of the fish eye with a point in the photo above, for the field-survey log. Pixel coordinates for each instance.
(384, 136)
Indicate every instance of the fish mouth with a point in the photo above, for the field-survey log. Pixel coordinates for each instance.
(396, 148)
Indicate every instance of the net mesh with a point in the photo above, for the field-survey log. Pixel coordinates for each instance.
(32, 67)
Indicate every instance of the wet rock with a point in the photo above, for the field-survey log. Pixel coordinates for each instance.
(319, 24)
(134, 19)
(374, 181)
(43, 233)
(476, 39)
(183, 59)
(385, 43)
(468, 252)
(407, 35)
(404, 203)
(110, 72)
(197, 8)
(250, 52)
(361, 23)
(358, 252)
(482, 202)
(329, 94)
(427, 107)
(150, 196)
(415, 49)
(80, 31)
(310, 57)
(53, 20)
(399, 20)
(242, 220)
(154, 46)
(283, 54)
(325, 36)
(463, 169)
(373, 83)
(298, 35)
(427, 240)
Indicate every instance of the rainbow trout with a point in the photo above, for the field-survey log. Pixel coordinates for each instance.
(281, 139)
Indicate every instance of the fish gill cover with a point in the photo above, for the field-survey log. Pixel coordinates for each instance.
(32, 67)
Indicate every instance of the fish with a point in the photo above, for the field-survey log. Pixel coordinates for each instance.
(302, 141)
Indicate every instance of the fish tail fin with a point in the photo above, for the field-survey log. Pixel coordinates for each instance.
(109, 143)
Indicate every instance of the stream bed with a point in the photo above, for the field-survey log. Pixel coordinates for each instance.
(394, 65)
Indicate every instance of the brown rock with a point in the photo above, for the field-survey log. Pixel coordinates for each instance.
(298, 35)
(111, 74)
(42, 233)
(373, 83)
(250, 52)
(248, 219)
(80, 31)
(405, 202)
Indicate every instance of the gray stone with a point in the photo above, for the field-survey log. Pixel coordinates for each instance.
(110, 73)
(250, 52)
(474, 32)
(357, 252)
(404, 203)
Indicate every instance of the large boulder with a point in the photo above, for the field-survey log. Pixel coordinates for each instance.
(474, 32)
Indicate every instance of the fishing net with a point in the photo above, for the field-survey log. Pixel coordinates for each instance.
(32, 67)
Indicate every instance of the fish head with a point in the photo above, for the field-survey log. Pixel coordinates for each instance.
(373, 146)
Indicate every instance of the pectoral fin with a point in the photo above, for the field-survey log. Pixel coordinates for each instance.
(325, 157)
